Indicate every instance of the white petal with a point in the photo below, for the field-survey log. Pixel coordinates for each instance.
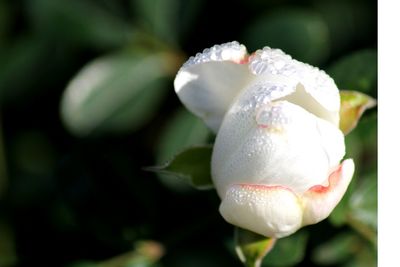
(269, 211)
(207, 83)
(278, 143)
(304, 99)
(317, 83)
(319, 201)
(332, 142)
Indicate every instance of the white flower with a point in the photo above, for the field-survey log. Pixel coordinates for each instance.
(276, 159)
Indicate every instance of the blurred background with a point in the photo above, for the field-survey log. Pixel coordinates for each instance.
(87, 102)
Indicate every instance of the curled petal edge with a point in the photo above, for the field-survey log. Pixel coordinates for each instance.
(207, 83)
(319, 200)
(315, 81)
(277, 211)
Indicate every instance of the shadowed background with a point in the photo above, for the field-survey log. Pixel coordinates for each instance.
(87, 101)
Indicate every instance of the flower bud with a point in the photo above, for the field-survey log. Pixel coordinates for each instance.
(276, 161)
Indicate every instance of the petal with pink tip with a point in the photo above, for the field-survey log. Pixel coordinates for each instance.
(277, 143)
(207, 83)
(272, 211)
(319, 200)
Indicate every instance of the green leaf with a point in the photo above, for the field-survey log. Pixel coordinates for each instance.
(23, 56)
(146, 254)
(356, 26)
(5, 21)
(288, 251)
(166, 19)
(80, 22)
(251, 247)
(8, 255)
(83, 264)
(3, 165)
(192, 164)
(182, 130)
(345, 249)
(158, 17)
(337, 250)
(33, 153)
(357, 71)
(365, 256)
(299, 32)
(352, 106)
(362, 215)
(118, 92)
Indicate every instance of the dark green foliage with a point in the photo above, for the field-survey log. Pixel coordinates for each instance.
(73, 190)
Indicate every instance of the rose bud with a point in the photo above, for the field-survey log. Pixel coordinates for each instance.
(276, 160)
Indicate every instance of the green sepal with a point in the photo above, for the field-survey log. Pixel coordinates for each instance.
(352, 106)
(251, 247)
(192, 164)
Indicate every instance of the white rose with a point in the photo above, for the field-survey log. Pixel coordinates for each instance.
(276, 159)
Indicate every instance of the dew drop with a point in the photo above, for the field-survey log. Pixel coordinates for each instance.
(263, 118)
